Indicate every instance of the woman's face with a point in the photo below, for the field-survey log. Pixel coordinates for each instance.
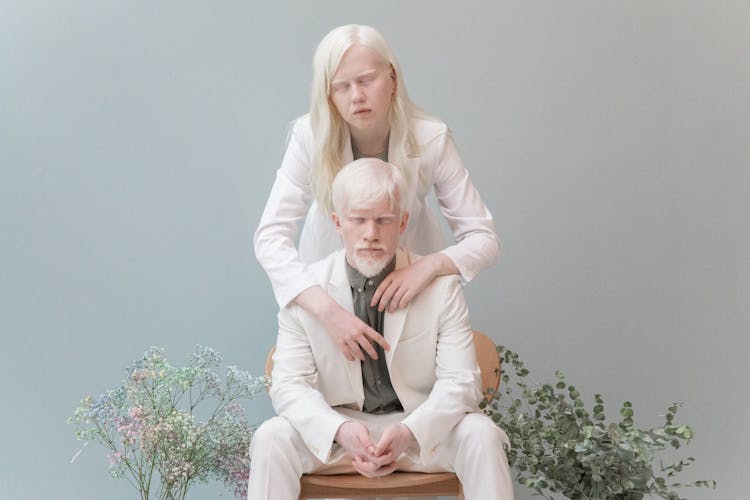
(362, 89)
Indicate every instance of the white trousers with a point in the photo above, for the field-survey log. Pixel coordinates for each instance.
(473, 450)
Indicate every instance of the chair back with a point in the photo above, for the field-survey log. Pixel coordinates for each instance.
(489, 364)
(487, 359)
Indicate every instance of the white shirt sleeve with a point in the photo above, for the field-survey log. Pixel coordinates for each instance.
(275, 243)
(477, 245)
(287, 205)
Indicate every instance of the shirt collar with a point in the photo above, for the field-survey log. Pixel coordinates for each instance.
(358, 280)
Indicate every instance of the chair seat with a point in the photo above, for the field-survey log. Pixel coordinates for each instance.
(395, 484)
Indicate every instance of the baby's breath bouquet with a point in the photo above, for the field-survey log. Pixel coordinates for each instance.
(183, 425)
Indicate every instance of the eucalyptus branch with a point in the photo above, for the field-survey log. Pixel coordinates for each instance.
(558, 446)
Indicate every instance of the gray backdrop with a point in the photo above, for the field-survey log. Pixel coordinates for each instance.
(139, 140)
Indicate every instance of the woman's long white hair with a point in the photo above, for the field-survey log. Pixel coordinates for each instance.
(329, 129)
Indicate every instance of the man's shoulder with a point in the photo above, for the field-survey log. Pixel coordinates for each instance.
(323, 269)
(440, 287)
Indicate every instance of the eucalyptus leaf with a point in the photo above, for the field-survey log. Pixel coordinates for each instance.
(559, 449)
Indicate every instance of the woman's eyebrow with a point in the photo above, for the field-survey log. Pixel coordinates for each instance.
(360, 75)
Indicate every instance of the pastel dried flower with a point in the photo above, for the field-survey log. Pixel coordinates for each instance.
(151, 426)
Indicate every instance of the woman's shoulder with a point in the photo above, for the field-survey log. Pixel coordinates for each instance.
(299, 131)
(301, 124)
(427, 130)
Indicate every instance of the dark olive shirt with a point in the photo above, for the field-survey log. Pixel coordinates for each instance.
(380, 397)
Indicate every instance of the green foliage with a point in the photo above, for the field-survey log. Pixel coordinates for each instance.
(558, 447)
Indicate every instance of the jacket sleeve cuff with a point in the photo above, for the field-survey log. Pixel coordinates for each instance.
(419, 452)
(467, 268)
(287, 292)
(329, 451)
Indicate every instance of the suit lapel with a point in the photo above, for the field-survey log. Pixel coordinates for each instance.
(340, 290)
(393, 324)
(410, 166)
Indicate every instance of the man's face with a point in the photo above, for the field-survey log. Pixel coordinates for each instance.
(370, 235)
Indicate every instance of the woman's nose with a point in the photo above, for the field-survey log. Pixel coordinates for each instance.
(357, 93)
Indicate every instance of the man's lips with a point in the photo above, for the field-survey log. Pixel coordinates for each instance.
(370, 250)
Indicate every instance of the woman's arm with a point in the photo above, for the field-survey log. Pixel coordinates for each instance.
(287, 205)
(476, 244)
(275, 249)
(351, 335)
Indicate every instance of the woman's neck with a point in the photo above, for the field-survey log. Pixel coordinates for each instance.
(369, 143)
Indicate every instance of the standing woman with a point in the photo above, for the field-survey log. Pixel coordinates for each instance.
(360, 108)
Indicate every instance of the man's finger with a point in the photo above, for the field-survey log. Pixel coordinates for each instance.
(385, 443)
(364, 441)
(370, 469)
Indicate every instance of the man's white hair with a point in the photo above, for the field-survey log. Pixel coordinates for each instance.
(366, 182)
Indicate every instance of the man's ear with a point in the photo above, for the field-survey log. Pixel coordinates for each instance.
(336, 221)
(404, 222)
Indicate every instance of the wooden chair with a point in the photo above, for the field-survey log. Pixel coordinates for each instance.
(401, 484)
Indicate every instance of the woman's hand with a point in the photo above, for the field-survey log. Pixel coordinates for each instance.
(351, 335)
(402, 285)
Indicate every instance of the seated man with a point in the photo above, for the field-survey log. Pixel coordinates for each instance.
(415, 407)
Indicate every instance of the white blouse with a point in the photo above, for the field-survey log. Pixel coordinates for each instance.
(438, 165)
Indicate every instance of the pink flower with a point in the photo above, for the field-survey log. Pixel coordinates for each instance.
(114, 457)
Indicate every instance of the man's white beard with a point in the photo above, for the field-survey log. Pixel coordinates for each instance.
(369, 267)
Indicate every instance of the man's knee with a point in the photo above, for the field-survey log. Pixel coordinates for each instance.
(270, 434)
(477, 428)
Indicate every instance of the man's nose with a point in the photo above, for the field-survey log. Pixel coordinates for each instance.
(371, 231)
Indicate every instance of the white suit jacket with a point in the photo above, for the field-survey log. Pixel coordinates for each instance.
(438, 165)
(432, 363)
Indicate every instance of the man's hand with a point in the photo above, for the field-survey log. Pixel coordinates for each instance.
(395, 440)
(402, 285)
(370, 469)
(354, 437)
(351, 335)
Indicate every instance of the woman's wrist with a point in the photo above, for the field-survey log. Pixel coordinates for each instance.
(316, 301)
